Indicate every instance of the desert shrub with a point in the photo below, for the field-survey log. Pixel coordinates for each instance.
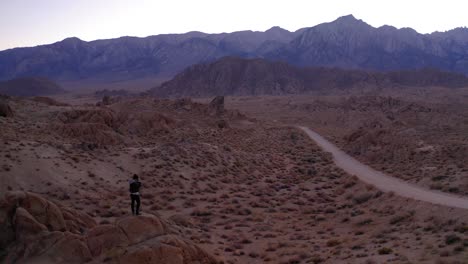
(246, 241)
(294, 137)
(201, 212)
(451, 239)
(436, 186)
(458, 249)
(356, 247)
(332, 243)
(364, 222)
(362, 198)
(438, 178)
(317, 259)
(378, 194)
(398, 218)
(385, 251)
(253, 255)
(350, 183)
(357, 212)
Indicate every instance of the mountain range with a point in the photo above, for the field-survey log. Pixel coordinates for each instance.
(247, 77)
(346, 42)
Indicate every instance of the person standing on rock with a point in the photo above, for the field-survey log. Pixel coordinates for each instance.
(135, 185)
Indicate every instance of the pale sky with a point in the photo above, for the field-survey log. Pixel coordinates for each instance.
(35, 22)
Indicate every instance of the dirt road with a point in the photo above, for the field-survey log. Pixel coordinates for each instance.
(382, 181)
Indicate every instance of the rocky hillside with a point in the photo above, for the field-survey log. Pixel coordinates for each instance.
(346, 42)
(237, 76)
(30, 87)
(213, 180)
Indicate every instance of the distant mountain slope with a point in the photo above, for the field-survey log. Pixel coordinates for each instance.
(346, 43)
(237, 76)
(131, 57)
(351, 43)
(30, 87)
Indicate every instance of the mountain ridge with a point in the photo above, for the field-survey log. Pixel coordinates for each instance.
(234, 76)
(346, 43)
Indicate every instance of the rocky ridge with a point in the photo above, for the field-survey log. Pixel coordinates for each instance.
(35, 230)
(251, 77)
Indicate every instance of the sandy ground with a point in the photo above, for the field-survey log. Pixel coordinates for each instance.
(382, 181)
(419, 138)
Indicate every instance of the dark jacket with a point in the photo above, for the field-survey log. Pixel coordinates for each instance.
(135, 187)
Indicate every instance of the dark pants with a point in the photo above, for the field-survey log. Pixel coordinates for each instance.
(135, 198)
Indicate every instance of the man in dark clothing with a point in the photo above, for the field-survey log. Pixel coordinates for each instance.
(135, 185)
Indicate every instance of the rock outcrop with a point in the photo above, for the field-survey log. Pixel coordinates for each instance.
(96, 126)
(35, 230)
(48, 101)
(5, 109)
(217, 105)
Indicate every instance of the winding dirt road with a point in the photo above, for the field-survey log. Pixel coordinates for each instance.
(383, 181)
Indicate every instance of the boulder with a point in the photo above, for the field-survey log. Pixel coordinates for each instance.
(33, 248)
(26, 225)
(221, 124)
(35, 230)
(70, 249)
(77, 222)
(103, 238)
(7, 233)
(5, 109)
(141, 228)
(217, 105)
(47, 213)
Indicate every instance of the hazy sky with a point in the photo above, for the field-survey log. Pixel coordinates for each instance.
(34, 22)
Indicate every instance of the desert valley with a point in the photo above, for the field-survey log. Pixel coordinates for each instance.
(219, 139)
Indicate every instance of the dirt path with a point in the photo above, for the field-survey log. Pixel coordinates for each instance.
(383, 181)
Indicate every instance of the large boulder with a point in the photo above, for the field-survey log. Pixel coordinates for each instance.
(70, 249)
(217, 105)
(141, 228)
(54, 247)
(103, 238)
(35, 230)
(5, 109)
(26, 225)
(45, 212)
(77, 222)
